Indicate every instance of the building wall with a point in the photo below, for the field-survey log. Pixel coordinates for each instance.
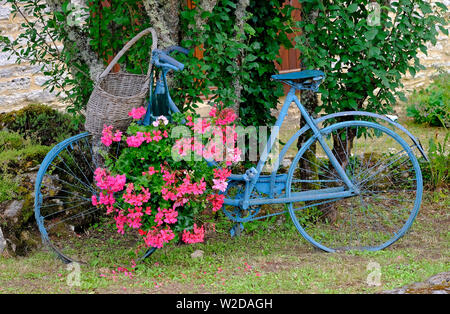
(20, 84)
(437, 60)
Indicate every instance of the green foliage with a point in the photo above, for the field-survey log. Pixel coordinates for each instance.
(8, 188)
(432, 104)
(364, 62)
(41, 124)
(114, 27)
(29, 156)
(9, 140)
(230, 57)
(436, 172)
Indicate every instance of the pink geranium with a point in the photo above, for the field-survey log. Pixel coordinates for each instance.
(108, 137)
(220, 185)
(196, 236)
(160, 195)
(137, 113)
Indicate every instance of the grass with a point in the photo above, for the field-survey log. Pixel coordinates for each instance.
(271, 259)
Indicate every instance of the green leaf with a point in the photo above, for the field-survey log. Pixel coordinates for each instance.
(370, 34)
(352, 8)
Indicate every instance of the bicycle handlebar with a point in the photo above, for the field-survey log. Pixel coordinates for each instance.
(176, 48)
(162, 59)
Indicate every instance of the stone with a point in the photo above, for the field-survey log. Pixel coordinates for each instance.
(41, 79)
(13, 208)
(197, 254)
(15, 84)
(5, 12)
(286, 162)
(440, 279)
(2, 242)
(18, 71)
(7, 58)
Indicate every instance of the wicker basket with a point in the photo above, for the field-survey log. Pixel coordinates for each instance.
(115, 94)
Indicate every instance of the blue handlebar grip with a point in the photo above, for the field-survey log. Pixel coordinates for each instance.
(176, 48)
(167, 59)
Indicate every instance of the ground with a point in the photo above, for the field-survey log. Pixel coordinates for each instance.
(268, 258)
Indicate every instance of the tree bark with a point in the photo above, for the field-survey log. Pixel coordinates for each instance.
(164, 18)
(240, 14)
(79, 38)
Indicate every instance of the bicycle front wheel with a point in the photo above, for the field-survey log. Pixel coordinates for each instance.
(383, 168)
(69, 223)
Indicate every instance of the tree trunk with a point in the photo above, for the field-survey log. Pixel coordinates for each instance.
(164, 18)
(240, 13)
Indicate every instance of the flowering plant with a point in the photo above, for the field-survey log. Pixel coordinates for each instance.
(160, 184)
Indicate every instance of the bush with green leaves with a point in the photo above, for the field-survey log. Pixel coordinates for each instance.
(431, 105)
(436, 172)
(41, 124)
(365, 48)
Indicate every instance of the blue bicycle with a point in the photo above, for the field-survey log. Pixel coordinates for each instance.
(355, 184)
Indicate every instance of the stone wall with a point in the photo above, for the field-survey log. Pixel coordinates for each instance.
(20, 84)
(437, 60)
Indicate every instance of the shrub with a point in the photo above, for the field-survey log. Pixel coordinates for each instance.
(9, 140)
(21, 159)
(436, 172)
(40, 123)
(432, 104)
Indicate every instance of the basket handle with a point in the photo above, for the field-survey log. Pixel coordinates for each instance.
(128, 46)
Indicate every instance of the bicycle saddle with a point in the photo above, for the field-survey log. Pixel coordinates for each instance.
(299, 75)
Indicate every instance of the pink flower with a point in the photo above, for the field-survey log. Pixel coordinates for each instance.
(107, 135)
(226, 116)
(107, 182)
(117, 136)
(201, 126)
(159, 217)
(148, 137)
(157, 238)
(171, 216)
(136, 199)
(213, 112)
(216, 200)
(220, 185)
(222, 173)
(137, 113)
(157, 136)
(196, 236)
(137, 140)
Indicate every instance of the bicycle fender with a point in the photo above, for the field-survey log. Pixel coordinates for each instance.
(376, 116)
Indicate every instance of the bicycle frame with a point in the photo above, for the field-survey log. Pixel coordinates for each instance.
(252, 177)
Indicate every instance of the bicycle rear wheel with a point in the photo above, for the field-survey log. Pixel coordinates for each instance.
(384, 169)
(68, 221)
